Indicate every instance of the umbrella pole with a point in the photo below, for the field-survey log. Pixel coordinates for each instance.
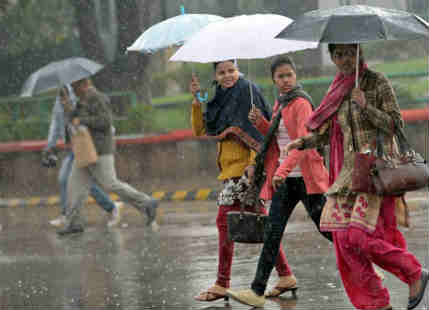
(252, 105)
(357, 67)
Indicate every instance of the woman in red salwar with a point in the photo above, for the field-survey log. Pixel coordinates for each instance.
(363, 225)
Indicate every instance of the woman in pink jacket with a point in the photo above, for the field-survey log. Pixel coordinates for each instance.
(301, 176)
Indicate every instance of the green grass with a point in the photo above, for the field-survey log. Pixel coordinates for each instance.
(412, 65)
(171, 118)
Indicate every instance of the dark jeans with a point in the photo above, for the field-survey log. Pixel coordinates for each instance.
(284, 202)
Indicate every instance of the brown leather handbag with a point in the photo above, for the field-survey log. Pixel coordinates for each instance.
(391, 176)
(361, 177)
(400, 175)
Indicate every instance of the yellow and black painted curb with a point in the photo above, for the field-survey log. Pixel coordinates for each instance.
(199, 194)
(203, 194)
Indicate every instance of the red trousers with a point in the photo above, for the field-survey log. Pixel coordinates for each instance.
(357, 250)
(226, 249)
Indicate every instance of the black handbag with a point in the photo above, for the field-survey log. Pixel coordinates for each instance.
(245, 226)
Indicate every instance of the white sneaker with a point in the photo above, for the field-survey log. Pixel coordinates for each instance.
(155, 227)
(116, 214)
(59, 221)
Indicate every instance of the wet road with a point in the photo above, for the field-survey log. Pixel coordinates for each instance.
(134, 268)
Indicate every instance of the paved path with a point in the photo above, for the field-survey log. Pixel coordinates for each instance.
(131, 267)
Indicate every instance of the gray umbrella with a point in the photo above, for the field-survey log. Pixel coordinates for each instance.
(59, 73)
(356, 24)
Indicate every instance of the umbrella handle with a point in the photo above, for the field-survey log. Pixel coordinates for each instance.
(202, 98)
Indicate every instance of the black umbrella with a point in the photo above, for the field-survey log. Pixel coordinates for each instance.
(356, 24)
(59, 73)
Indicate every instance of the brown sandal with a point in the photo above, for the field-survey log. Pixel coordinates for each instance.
(210, 296)
(278, 290)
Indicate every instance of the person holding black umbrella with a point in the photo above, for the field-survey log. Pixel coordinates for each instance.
(93, 112)
(363, 225)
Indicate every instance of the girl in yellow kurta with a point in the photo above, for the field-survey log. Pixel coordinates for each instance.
(238, 141)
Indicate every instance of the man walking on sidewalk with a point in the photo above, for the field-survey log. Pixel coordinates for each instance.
(93, 111)
(64, 104)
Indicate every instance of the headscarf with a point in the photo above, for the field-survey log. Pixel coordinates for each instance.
(230, 108)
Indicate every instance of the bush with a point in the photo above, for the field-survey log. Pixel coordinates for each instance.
(138, 120)
(32, 128)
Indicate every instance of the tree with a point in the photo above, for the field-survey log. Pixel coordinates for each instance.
(124, 72)
(33, 34)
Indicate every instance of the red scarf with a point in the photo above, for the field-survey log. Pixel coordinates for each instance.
(340, 86)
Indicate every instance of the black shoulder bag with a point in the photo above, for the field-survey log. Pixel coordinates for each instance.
(248, 227)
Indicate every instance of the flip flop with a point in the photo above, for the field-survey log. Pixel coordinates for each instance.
(210, 296)
(278, 290)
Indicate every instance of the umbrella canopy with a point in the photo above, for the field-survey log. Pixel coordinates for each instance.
(171, 32)
(59, 73)
(240, 37)
(356, 24)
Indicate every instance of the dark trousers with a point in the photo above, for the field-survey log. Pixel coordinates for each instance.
(284, 202)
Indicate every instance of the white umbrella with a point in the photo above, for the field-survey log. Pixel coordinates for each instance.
(240, 37)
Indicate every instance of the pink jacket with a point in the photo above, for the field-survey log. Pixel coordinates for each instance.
(314, 173)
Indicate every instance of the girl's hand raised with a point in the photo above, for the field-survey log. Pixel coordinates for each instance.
(194, 87)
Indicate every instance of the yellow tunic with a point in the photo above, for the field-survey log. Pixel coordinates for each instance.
(232, 157)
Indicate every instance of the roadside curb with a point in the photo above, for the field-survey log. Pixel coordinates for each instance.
(415, 202)
(182, 195)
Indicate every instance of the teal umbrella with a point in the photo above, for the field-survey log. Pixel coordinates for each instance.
(174, 31)
(171, 32)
